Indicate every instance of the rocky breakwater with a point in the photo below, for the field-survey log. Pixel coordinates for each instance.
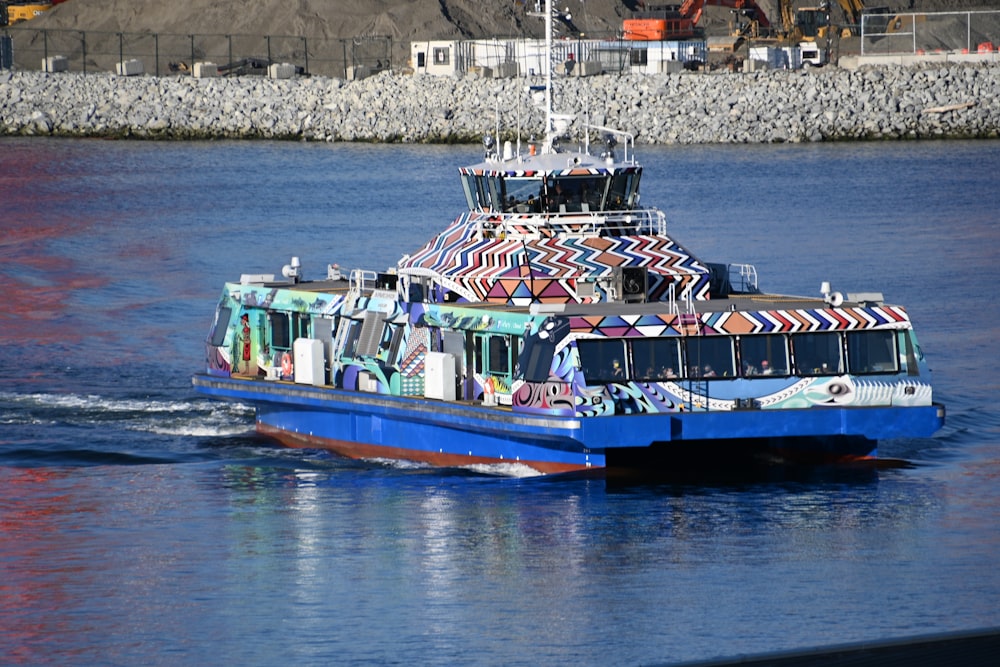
(761, 107)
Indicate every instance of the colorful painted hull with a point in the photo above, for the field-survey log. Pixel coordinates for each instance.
(359, 425)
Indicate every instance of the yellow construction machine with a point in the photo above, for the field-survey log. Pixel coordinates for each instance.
(12, 12)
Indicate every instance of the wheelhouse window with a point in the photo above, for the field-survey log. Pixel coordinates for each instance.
(523, 195)
(710, 357)
(764, 355)
(818, 354)
(656, 359)
(872, 352)
(575, 194)
(602, 360)
(624, 188)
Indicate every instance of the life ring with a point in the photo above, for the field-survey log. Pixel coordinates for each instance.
(286, 365)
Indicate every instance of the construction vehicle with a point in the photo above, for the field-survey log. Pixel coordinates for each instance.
(810, 23)
(12, 12)
(669, 22)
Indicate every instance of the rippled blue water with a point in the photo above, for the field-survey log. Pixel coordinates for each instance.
(142, 524)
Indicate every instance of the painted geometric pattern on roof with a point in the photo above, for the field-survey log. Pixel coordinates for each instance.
(745, 322)
(458, 252)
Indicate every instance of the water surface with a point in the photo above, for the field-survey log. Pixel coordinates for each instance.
(142, 524)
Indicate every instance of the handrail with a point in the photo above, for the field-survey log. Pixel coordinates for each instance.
(537, 225)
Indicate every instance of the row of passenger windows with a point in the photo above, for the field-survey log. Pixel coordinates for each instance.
(493, 353)
(721, 357)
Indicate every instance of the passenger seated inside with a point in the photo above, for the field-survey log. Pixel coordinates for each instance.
(765, 368)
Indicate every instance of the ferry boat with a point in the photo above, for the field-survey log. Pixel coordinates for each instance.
(557, 325)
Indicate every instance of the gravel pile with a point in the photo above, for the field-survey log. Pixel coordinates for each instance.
(775, 106)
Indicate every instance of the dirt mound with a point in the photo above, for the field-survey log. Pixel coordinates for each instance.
(401, 19)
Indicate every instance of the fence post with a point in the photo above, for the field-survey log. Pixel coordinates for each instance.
(83, 49)
(192, 54)
(268, 39)
(45, 48)
(121, 47)
(156, 53)
(305, 52)
(229, 38)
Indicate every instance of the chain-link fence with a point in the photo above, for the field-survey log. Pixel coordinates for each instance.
(912, 33)
(168, 54)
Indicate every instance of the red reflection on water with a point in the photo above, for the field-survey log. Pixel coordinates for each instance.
(37, 281)
(29, 516)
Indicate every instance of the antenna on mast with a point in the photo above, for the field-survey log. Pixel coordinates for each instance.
(549, 129)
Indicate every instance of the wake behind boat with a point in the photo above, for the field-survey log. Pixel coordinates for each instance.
(557, 324)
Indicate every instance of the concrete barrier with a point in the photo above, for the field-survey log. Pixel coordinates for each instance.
(55, 64)
(205, 70)
(281, 71)
(129, 68)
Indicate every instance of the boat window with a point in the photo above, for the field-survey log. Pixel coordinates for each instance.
(710, 357)
(495, 191)
(469, 185)
(300, 326)
(281, 335)
(764, 355)
(535, 360)
(395, 341)
(499, 355)
(872, 352)
(909, 345)
(477, 358)
(817, 354)
(623, 189)
(218, 336)
(351, 342)
(602, 359)
(482, 195)
(575, 194)
(523, 195)
(477, 192)
(656, 358)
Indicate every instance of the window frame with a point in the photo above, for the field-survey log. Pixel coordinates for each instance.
(817, 371)
(853, 351)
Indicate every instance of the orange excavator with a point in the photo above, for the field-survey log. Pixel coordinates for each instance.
(668, 22)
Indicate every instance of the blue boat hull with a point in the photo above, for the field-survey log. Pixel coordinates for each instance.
(363, 425)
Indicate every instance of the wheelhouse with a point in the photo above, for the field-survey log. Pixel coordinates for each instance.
(571, 190)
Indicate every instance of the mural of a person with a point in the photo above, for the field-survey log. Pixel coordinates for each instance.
(245, 338)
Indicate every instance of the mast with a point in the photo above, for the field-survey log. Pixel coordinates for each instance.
(549, 132)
